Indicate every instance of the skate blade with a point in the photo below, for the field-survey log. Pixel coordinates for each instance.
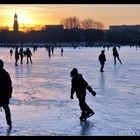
(90, 115)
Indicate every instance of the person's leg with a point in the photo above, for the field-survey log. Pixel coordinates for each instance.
(30, 59)
(82, 107)
(27, 60)
(102, 67)
(86, 110)
(16, 62)
(21, 60)
(119, 60)
(114, 60)
(7, 114)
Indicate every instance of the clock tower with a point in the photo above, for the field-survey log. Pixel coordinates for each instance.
(15, 25)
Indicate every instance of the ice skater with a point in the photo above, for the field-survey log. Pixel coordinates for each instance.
(102, 59)
(11, 52)
(21, 55)
(16, 56)
(29, 55)
(5, 92)
(79, 85)
(116, 55)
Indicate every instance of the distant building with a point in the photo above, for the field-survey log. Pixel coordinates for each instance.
(15, 25)
(54, 27)
(125, 28)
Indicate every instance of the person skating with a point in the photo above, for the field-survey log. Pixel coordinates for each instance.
(5, 92)
(102, 59)
(116, 55)
(79, 85)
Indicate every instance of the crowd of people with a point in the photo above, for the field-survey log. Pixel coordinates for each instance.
(78, 83)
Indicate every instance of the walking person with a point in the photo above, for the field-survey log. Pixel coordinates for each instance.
(21, 55)
(62, 51)
(5, 92)
(16, 56)
(102, 59)
(116, 55)
(79, 85)
(29, 55)
(11, 52)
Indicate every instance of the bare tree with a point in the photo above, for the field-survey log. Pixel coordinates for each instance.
(99, 25)
(74, 22)
(87, 24)
(70, 22)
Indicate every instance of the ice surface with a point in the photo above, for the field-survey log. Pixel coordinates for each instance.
(41, 104)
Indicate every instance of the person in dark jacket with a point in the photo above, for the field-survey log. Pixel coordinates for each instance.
(21, 55)
(102, 59)
(29, 55)
(5, 92)
(116, 55)
(79, 85)
(16, 56)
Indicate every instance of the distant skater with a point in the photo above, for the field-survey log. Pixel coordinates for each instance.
(79, 85)
(16, 56)
(11, 52)
(62, 51)
(102, 59)
(29, 55)
(5, 92)
(116, 55)
(21, 55)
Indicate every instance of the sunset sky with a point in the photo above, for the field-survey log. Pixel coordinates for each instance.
(43, 14)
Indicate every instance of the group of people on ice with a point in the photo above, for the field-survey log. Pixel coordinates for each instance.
(19, 54)
(78, 84)
(102, 58)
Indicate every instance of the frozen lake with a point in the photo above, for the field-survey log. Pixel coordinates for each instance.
(41, 104)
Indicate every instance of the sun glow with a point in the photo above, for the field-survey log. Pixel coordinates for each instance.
(25, 21)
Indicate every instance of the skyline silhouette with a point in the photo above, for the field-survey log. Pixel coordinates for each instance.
(51, 14)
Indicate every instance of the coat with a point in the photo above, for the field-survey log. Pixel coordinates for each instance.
(5, 87)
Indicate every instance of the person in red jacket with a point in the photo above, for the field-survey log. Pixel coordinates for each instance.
(5, 92)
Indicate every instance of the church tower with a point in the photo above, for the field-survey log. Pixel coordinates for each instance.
(15, 25)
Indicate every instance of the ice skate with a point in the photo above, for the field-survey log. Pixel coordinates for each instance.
(83, 118)
(91, 113)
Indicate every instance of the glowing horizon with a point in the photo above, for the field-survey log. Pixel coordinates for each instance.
(47, 14)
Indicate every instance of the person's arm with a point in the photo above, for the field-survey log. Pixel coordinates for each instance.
(89, 88)
(72, 89)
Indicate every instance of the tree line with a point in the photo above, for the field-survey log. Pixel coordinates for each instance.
(68, 23)
(74, 22)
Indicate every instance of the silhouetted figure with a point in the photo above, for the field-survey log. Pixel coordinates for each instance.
(116, 55)
(62, 51)
(52, 48)
(24, 52)
(5, 92)
(49, 51)
(79, 85)
(11, 52)
(29, 55)
(102, 59)
(21, 55)
(16, 56)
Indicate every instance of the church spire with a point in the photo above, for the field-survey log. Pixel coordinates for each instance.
(15, 25)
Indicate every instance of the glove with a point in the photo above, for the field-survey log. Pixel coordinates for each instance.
(93, 93)
(91, 90)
